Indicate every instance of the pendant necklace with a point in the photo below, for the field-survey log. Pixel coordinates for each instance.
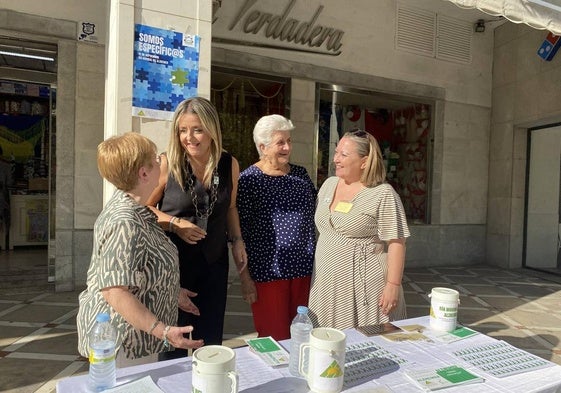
(202, 215)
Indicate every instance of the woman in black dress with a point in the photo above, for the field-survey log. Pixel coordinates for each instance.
(195, 202)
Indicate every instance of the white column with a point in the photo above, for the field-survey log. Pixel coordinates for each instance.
(193, 17)
(118, 82)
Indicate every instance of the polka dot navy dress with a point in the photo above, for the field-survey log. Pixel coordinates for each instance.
(277, 223)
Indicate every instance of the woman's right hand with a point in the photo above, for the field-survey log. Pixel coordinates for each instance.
(188, 232)
(176, 338)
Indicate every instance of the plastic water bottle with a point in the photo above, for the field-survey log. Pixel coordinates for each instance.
(102, 374)
(299, 333)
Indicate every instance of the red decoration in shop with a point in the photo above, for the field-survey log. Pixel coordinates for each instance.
(354, 112)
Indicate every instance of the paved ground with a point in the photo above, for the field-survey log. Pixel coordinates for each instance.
(38, 331)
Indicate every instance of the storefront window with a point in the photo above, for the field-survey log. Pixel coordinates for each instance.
(400, 125)
(242, 99)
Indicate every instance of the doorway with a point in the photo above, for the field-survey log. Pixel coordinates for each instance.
(402, 127)
(543, 211)
(28, 142)
(241, 99)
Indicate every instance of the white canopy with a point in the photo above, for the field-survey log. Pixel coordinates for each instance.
(539, 14)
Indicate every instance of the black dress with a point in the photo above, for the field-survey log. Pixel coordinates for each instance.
(203, 266)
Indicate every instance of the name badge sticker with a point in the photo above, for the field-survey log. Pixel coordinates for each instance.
(343, 207)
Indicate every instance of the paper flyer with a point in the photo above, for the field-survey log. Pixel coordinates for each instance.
(165, 71)
(268, 350)
(441, 378)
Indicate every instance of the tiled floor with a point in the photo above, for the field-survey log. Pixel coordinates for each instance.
(38, 337)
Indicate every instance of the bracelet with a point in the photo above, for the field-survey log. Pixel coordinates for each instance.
(393, 283)
(165, 336)
(171, 221)
(234, 239)
(156, 322)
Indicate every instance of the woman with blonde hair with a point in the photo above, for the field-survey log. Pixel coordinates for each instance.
(195, 202)
(360, 252)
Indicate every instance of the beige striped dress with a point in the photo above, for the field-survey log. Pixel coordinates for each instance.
(350, 262)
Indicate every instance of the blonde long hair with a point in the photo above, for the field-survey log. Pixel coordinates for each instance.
(374, 172)
(178, 156)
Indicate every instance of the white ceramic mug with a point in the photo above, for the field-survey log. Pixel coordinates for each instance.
(326, 360)
(214, 370)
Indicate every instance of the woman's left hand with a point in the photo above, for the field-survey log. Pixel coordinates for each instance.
(185, 302)
(238, 252)
(249, 292)
(176, 337)
(389, 298)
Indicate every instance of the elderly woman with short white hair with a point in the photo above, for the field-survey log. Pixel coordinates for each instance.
(276, 203)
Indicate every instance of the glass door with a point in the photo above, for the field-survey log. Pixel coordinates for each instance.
(402, 127)
(543, 213)
(52, 185)
(241, 99)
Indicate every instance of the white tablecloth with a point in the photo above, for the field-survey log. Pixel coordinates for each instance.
(174, 376)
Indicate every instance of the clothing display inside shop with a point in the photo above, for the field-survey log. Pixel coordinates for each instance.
(403, 136)
(25, 154)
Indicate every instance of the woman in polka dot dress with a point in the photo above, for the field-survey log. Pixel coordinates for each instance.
(276, 204)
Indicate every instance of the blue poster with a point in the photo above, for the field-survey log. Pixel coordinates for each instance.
(166, 71)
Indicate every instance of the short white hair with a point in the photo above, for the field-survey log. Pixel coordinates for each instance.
(264, 128)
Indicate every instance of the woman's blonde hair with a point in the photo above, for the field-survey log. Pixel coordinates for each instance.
(120, 157)
(374, 172)
(177, 156)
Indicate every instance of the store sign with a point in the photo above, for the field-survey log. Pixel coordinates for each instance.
(284, 27)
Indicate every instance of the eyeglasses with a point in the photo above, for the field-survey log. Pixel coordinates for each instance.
(358, 133)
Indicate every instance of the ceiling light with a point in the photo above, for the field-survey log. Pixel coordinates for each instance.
(27, 56)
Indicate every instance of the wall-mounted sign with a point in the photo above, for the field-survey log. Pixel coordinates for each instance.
(86, 32)
(306, 31)
(549, 47)
(166, 71)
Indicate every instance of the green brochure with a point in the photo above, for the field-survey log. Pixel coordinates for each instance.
(440, 378)
(268, 350)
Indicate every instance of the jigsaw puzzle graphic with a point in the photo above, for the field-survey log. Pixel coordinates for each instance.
(165, 71)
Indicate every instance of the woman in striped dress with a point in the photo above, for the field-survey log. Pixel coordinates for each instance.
(360, 252)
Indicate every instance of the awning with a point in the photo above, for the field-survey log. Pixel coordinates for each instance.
(539, 14)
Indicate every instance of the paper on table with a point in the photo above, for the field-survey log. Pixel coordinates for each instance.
(501, 359)
(460, 333)
(445, 377)
(254, 373)
(142, 385)
(364, 361)
(268, 350)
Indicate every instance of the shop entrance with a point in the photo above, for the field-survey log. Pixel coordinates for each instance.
(27, 156)
(401, 125)
(543, 212)
(241, 99)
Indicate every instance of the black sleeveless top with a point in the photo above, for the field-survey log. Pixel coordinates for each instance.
(179, 202)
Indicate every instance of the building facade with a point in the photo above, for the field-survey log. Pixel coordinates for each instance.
(459, 109)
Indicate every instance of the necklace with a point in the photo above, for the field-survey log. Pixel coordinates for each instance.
(202, 216)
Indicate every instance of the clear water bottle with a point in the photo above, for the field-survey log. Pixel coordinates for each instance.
(299, 333)
(102, 374)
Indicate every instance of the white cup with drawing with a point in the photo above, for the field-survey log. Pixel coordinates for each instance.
(326, 365)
